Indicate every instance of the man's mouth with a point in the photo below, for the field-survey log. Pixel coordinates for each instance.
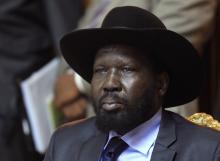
(112, 103)
(112, 106)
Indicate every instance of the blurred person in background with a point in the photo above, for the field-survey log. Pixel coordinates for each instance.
(29, 32)
(193, 19)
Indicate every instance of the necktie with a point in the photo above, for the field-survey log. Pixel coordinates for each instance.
(114, 148)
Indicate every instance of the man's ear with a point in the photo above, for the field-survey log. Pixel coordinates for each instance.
(163, 83)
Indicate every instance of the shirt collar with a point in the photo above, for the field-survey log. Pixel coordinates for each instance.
(143, 137)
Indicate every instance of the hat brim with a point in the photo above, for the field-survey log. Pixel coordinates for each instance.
(172, 50)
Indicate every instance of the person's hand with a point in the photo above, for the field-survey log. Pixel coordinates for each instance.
(69, 99)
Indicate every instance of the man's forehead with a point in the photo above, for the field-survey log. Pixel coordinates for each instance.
(126, 50)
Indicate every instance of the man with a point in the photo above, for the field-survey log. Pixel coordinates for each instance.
(136, 68)
(29, 32)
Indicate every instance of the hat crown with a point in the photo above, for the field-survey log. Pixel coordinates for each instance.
(131, 17)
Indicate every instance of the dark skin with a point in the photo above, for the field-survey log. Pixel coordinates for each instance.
(121, 80)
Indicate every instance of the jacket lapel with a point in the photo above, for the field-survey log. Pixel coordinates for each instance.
(166, 137)
(92, 148)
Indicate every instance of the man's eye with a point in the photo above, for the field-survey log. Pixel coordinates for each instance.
(128, 69)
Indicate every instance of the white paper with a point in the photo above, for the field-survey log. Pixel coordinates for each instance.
(37, 91)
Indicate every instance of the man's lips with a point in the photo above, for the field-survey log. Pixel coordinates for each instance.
(112, 102)
(111, 106)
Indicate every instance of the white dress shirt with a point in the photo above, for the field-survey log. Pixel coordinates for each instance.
(141, 140)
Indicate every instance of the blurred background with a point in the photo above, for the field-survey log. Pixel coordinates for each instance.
(38, 90)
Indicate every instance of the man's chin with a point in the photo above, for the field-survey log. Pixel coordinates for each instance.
(106, 127)
(107, 122)
(119, 122)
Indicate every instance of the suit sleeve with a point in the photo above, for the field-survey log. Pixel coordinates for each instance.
(191, 18)
(50, 150)
(217, 154)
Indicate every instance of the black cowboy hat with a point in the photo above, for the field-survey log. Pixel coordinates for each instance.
(137, 27)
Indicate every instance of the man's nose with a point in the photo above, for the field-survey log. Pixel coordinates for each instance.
(112, 82)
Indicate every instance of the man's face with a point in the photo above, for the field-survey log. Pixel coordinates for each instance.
(124, 89)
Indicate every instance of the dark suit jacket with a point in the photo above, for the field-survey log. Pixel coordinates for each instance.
(27, 28)
(178, 140)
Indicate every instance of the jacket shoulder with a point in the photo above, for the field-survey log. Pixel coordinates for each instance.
(68, 139)
(76, 132)
(198, 142)
(195, 130)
